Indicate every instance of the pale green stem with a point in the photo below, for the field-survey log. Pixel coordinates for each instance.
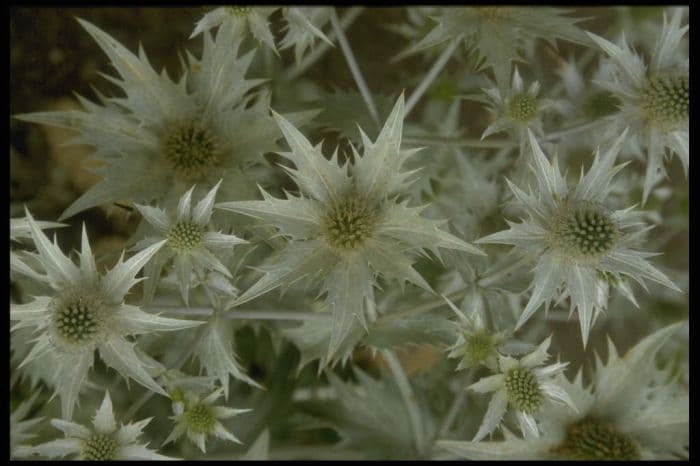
(323, 47)
(460, 142)
(574, 130)
(239, 314)
(409, 397)
(430, 77)
(354, 69)
(457, 403)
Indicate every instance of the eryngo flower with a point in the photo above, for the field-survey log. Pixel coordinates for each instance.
(87, 313)
(580, 246)
(630, 411)
(524, 386)
(348, 229)
(188, 242)
(163, 136)
(655, 97)
(199, 418)
(515, 109)
(104, 441)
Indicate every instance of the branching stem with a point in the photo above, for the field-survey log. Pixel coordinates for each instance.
(431, 75)
(354, 69)
(323, 47)
(409, 397)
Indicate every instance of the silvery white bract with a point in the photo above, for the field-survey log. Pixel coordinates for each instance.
(346, 229)
(303, 28)
(631, 410)
(214, 350)
(199, 418)
(476, 344)
(524, 386)
(245, 20)
(164, 135)
(655, 96)
(580, 247)
(103, 441)
(87, 313)
(22, 429)
(189, 243)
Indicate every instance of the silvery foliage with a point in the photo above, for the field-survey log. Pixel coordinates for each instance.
(384, 284)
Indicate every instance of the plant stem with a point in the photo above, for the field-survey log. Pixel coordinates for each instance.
(573, 130)
(456, 405)
(354, 69)
(494, 277)
(455, 141)
(409, 397)
(430, 77)
(306, 62)
(239, 314)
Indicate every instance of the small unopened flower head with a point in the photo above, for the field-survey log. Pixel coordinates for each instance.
(349, 223)
(475, 344)
(666, 98)
(523, 107)
(595, 439)
(478, 347)
(190, 149)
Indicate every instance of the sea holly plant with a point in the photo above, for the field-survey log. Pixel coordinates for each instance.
(349, 227)
(297, 252)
